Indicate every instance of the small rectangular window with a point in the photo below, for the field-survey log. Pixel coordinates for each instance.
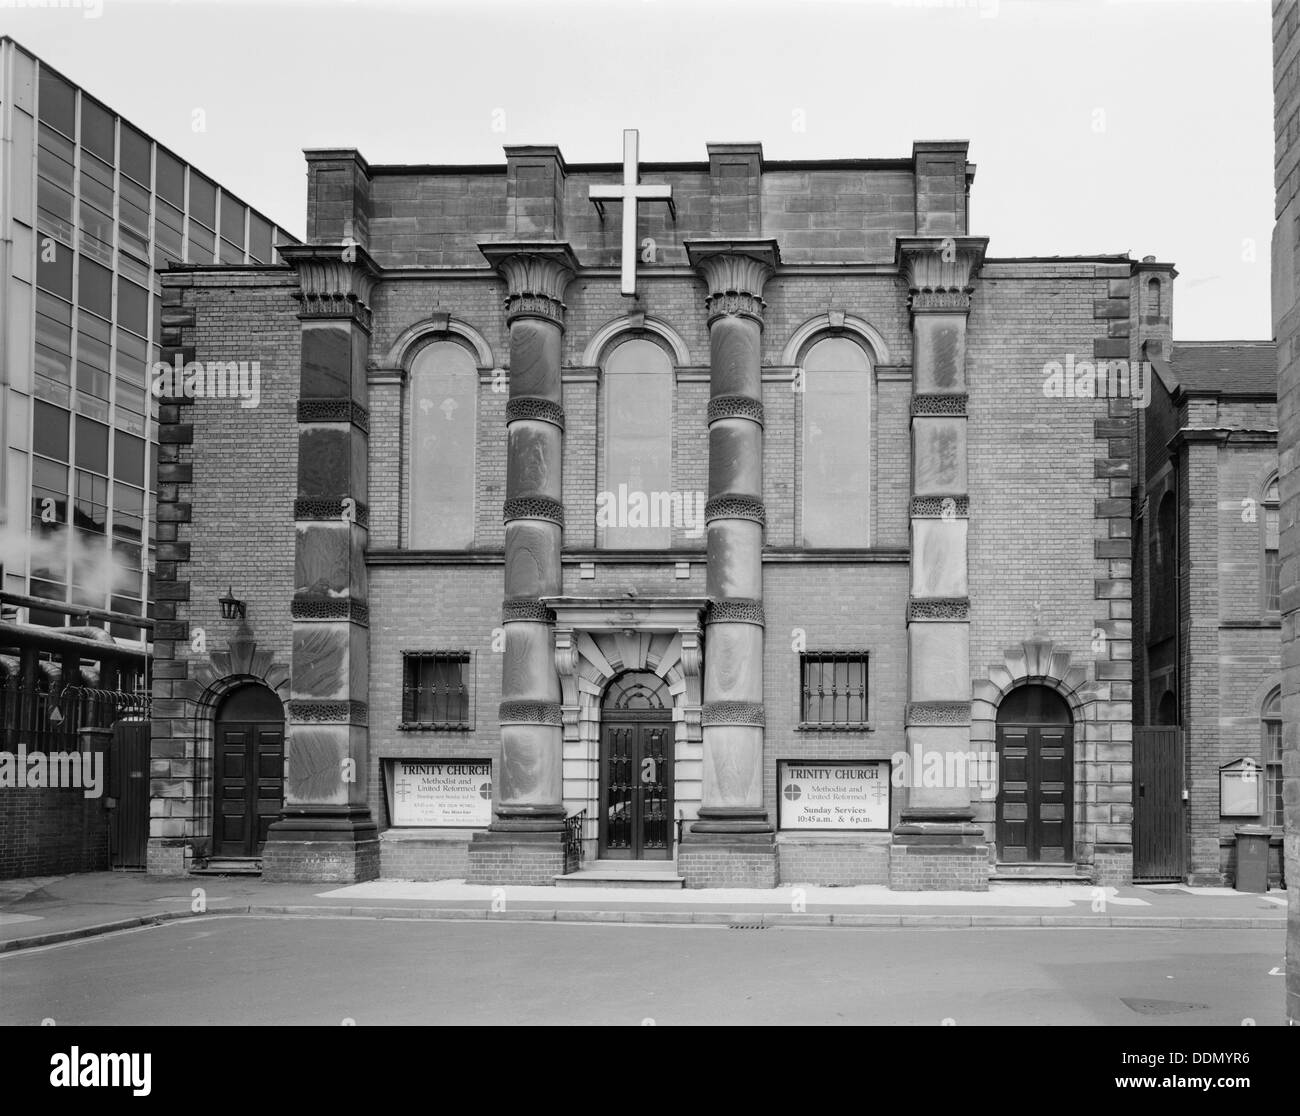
(203, 200)
(54, 267)
(135, 155)
(834, 689)
(132, 307)
(58, 101)
(170, 174)
(97, 128)
(92, 445)
(50, 431)
(435, 689)
(95, 289)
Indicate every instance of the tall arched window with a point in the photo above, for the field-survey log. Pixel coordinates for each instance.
(636, 507)
(1164, 568)
(836, 481)
(1271, 720)
(1153, 299)
(443, 405)
(1271, 521)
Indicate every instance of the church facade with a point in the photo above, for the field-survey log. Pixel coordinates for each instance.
(749, 520)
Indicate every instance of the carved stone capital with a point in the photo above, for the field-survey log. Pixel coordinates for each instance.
(536, 275)
(335, 280)
(940, 270)
(735, 406)
(734, 271)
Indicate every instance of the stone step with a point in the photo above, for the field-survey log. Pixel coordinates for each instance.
(1037, 873)
(624, 873)
(230, 866)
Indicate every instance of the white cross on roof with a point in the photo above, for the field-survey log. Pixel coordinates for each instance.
(629, 193)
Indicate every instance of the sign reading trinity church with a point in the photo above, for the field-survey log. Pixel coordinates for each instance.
(830, 794)
(439, 793)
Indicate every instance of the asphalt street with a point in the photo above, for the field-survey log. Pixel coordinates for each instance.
(328, 971)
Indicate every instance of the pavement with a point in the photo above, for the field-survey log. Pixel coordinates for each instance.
(40, 911)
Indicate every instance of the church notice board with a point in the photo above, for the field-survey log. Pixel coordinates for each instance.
(833, 794)
(430, 794)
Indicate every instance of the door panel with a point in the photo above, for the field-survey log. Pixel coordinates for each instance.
(636, 791)
(250, 786)
(1036, 795)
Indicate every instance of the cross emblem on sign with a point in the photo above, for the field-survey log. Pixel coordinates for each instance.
(629, 193)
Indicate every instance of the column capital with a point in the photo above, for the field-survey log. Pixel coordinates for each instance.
(940, 270)
(536, 274)
(734, 272)
(335, 280)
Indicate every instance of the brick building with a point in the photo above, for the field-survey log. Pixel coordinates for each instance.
(741, 519)
(1208, 658)
(1286, 331)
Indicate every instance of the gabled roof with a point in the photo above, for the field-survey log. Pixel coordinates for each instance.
(1226, 367)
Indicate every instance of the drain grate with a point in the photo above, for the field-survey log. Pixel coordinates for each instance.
(746, 924)
(1160, 1007)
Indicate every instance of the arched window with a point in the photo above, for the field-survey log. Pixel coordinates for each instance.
(636, 508)
(443, 406)
(1153, 299)
(1271, 522)
(1271, 720)
(835, 487)
(1164, 568)
(1167, 710)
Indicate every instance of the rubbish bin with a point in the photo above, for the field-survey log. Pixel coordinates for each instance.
(1252, 857)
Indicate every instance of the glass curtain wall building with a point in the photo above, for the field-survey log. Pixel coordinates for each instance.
(91, 208)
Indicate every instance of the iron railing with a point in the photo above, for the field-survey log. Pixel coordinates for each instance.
(573, 834)
(51, 721)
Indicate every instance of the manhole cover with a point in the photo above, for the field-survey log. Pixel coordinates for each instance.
(1161, 1007)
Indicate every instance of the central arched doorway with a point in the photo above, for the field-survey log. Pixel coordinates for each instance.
(1035, 803)
(636, 769)
(249, 783)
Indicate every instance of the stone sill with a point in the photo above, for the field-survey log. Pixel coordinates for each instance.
(424, 726)
(865, 726)
(401, 834)
(880, 838)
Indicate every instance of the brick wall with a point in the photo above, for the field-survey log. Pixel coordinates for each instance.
(48, 831)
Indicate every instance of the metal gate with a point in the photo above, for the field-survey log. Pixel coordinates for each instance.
(128, 766)
(1158, 838)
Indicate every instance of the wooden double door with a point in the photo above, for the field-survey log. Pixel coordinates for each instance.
(636, 789)
(1035, 804)
(249, 782)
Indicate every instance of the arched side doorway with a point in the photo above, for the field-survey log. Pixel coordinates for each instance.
(1035, 803)
(636, 768)
(249, 785)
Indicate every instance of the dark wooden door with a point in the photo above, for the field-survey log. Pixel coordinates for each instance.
(1157, 804)
(129, 767)
(250, 785)
(1035, 798)
(636, 790)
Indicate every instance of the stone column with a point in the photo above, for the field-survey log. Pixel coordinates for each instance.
(732, 843)
(326, 832)
(936, 844)
(526, 841)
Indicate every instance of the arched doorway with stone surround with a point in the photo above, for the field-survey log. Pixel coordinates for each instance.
(225, 674)
(1101, 763)
(598, 640)
(635, 819)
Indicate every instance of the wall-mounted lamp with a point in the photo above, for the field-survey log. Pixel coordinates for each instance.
(232, 608)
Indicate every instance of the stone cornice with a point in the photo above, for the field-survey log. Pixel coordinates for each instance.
(335, 280)
(536, 274)
(734, 271)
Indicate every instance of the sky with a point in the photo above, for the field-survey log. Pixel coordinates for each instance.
(1098, 126)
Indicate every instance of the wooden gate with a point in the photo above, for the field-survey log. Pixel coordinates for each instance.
(1158, 837)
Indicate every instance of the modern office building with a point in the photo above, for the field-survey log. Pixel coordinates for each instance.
(90, 209)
